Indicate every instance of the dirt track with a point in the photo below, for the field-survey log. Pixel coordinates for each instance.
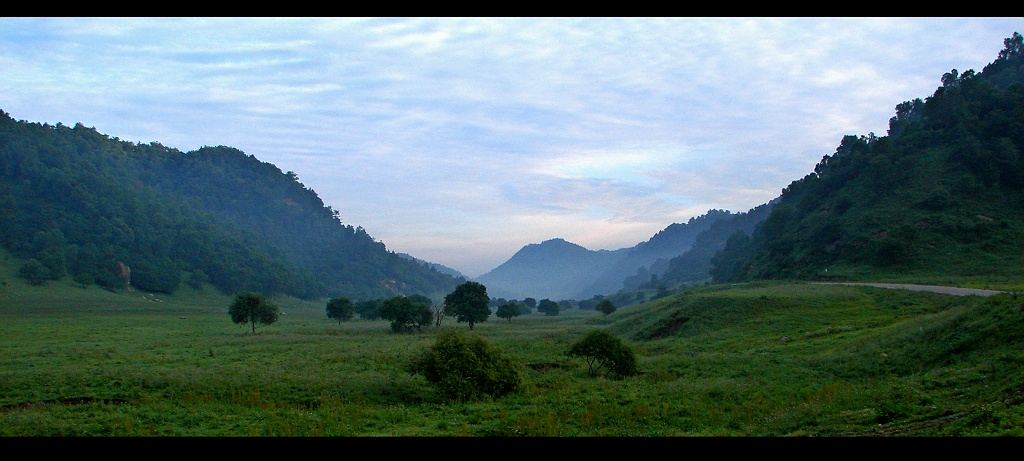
(956, 291)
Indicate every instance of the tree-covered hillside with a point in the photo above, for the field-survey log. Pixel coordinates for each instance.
(942, 193)
(74, 202)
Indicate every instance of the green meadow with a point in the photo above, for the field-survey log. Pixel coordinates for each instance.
(760, 359)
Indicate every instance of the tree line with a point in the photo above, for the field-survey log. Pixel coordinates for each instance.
(462, 367)
(468, 303)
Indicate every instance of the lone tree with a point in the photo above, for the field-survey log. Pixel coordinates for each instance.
(405, 314)
(340, 309)
(604, 350)
(468, 303)
(253, 308)
(605, 307)
(466, 366)
(548, 307)
(507, 311)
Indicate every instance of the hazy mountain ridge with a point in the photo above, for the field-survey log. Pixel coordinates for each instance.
(668, 243)
(557, 269)
(553, 269)
(436, 266)
(695, 265)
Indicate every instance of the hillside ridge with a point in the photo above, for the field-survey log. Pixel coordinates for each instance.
(77, 203)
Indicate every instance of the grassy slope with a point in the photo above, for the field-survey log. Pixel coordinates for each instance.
(761, 359)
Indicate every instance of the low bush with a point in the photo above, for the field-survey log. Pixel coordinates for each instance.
(601, 349)
(467, 366)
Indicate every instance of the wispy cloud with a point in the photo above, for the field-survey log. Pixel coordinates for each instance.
(459, 140)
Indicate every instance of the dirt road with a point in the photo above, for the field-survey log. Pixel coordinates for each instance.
(956, 291)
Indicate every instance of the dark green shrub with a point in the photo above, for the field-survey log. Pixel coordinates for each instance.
(467, 366)
(197, 278)
(369, 309)
(548, 307)
(507, 311)
(35, 272)
(160, 275)
(602, 350)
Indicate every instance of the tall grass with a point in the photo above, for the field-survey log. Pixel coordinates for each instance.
(767, 359)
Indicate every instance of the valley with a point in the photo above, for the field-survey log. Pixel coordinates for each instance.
(879, 295)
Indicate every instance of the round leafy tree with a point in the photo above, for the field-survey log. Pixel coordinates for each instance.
(253, 308)
(468, 303)
(466, 366)
(605, 307)
(548, 307)
(602, 350)
(507, 311)
(340, 309)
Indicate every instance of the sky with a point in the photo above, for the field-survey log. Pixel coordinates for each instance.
(460, 140)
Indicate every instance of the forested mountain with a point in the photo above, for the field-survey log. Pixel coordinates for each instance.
(76, 202)
(941, 193)
(557, 269)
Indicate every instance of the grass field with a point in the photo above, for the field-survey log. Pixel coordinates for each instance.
(763, 359)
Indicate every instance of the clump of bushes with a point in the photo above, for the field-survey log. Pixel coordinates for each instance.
(602, 350)
(466, 367)
(35, 272)
(407, 314)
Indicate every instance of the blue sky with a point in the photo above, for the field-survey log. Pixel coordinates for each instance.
(460, 140)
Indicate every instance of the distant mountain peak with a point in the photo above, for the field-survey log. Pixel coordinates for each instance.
(555, 242)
